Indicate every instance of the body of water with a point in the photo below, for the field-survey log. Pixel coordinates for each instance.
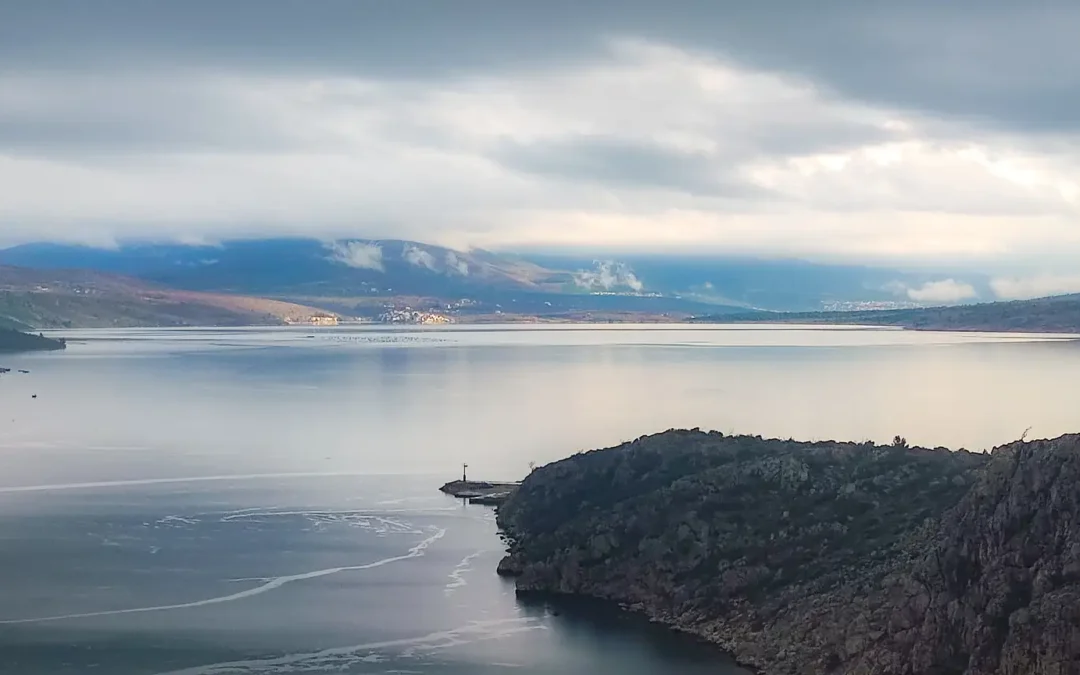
(263, 501)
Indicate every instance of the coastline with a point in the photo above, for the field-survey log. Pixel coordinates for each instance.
(615, 610)
(518, 321)
(833, 557)
(493, 493)
(1064, 333)
(17, 342)
(484, 493)
(1072, 332)
(611, 612)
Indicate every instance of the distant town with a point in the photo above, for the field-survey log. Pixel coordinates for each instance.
(867, 305)
(405, 315)
(414, 316)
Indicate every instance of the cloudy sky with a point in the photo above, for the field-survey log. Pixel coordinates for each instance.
(909, 133)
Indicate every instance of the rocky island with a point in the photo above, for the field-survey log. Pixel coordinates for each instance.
(820, 558)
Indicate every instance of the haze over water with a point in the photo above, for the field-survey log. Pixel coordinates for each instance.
(262, 501)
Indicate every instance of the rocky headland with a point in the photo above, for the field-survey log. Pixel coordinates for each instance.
(823, 558)
(482, 492)
(17, 341)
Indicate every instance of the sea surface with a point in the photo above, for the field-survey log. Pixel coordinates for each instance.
(265, 500)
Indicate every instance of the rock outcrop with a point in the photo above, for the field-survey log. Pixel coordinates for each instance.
(823, 558)
(17, 341)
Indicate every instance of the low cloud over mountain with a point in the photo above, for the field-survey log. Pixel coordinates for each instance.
(905, 134)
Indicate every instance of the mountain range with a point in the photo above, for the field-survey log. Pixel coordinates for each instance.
(363, 277)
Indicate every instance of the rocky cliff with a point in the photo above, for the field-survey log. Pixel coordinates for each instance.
(831, 558)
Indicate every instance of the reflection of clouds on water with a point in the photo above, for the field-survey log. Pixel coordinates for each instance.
(338, 659)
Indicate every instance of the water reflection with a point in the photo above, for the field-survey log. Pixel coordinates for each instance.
(596, 627)
(276, 402)
(301, 447)
(347, 575)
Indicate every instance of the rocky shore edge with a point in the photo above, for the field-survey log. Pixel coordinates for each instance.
(825, 558)
(12, 341)
(487, 493)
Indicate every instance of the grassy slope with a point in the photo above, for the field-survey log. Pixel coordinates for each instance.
(68, 298)
(1058, 314)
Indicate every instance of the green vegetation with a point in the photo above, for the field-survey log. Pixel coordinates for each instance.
(832, 558)
(706, 501)
(16, 341)
(1058, 314)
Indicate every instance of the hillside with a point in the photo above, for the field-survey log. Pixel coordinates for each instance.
(305, 267)
(780, 285)
(364, 278)
(41, 299)
(17, 341)
(826, 558)
(1058, 314)
(357, 272)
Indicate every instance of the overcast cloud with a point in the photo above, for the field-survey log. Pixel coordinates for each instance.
(910, 133)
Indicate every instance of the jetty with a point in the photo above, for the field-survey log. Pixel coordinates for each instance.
(489, 493)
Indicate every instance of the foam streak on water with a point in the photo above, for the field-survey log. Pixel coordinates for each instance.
(457, 575)
(340, 658)
(165, 481)
(274, 583)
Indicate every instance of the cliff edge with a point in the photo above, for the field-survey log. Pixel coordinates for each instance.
(824, 558)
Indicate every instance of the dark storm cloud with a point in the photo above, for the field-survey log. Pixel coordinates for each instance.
(104, 115)
(1008, 64)
(419, 38)
(906, 130)
(625, 163)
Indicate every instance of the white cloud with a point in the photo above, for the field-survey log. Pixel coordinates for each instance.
(723, 158)
(456, 264)
(944, 291)
(896, 288)
(417, 256)
(608, 275)
(1024, 288)
(358, 254)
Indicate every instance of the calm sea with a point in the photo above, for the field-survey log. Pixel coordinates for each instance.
(264, 501)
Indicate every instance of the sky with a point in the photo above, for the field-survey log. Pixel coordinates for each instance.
(917, 133)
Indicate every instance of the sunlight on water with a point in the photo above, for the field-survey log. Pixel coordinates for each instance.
(263, 501)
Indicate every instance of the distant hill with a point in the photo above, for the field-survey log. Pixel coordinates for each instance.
(37, 299)
(303, 266)
(360, 277)
(1058, 314)
(17, 341)
(778, 285)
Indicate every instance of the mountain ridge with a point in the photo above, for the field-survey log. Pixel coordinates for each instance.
(303, 267)
(45, 299)
(1053, 314)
